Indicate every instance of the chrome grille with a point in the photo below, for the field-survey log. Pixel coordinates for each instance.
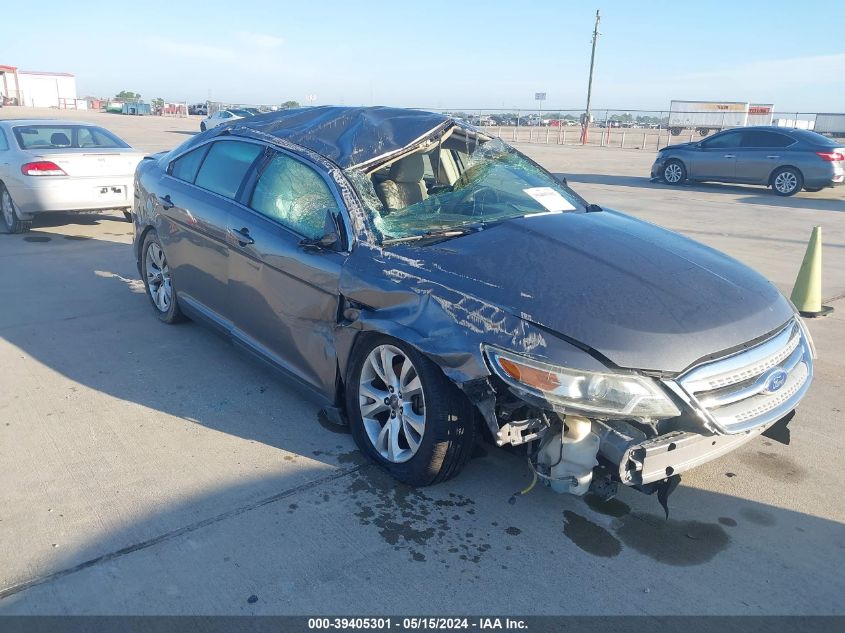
(753, 387)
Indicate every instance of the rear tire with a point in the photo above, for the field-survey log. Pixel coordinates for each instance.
(674, 172)
(9, 217)
(158, 281)
(675, 131)
(787, 181)
(703, 131)
(434, 405)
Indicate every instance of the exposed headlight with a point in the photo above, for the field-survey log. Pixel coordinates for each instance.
(609, 395)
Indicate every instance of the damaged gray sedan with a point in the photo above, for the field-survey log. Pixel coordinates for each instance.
(428, 283)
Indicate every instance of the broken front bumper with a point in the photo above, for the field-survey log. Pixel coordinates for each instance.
(657, 458)
(727, 402)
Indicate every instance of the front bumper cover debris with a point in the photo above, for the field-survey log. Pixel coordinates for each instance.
(655, 459)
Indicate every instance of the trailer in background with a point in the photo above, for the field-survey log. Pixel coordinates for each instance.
(707, 116)
(136, 108)
(795, 124)
(760, 113)
(830, 124)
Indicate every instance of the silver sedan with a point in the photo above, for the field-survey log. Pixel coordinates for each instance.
(53, 165)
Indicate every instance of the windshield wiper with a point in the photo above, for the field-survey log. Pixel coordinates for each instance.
(437, 234)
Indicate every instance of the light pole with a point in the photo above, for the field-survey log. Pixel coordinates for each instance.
(585, 124)
(311, 99)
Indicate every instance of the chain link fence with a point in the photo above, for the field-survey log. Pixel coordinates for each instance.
(215, 106)
(628, 129)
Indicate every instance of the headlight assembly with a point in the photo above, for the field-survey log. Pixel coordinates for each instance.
(608, 395)
(804, 330)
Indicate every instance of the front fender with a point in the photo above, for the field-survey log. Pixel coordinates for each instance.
(385, 293)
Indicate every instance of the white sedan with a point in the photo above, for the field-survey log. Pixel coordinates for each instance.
(53, 165)
(223, 116)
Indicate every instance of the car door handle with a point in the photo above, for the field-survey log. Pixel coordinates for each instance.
(730, 155)
(772, 156)
(166, 202)
(243, 238)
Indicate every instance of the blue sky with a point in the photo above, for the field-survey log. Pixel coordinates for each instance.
(458, 54)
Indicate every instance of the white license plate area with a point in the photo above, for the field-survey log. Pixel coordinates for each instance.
(111, 192)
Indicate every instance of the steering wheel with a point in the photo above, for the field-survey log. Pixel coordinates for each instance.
(479, 197)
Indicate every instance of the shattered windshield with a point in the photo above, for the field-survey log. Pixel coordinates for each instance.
(455, 185)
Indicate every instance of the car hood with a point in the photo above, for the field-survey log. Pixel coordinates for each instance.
(688, 145)
(641, 296)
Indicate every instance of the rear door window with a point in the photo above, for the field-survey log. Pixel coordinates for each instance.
(225, 166)
(762, 138)
(186, 166)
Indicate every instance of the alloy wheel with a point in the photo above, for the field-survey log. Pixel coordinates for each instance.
(392, 403)
(673, 173)
(8, 209)
(158, 277)
(786, 182)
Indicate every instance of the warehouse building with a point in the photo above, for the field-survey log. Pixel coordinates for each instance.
(38, 89)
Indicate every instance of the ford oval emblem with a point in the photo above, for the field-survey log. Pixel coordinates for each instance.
(776, 380)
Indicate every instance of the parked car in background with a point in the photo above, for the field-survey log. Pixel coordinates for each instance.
(784, 159)
(224, 116)
(48, 165)
(405, 269)
(198, 109)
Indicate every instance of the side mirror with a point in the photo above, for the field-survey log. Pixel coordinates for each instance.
(560, 178)
(330, 239)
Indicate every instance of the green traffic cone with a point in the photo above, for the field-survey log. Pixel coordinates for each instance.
(807, 293)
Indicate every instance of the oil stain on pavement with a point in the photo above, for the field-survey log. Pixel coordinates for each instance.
(775, 466)
(672, 542)
(678, 543)
(589, 536)
(426, 527)
(446, 530)
(410, 520)
(757, 517)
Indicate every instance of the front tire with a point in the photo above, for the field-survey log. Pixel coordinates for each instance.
(674, 172)
(9, 213)
(158, 280)
(405, 414)
(787, 181)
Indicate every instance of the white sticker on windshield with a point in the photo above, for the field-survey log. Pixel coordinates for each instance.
(549, 198)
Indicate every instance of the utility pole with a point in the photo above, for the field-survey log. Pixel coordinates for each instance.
(585, 124)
